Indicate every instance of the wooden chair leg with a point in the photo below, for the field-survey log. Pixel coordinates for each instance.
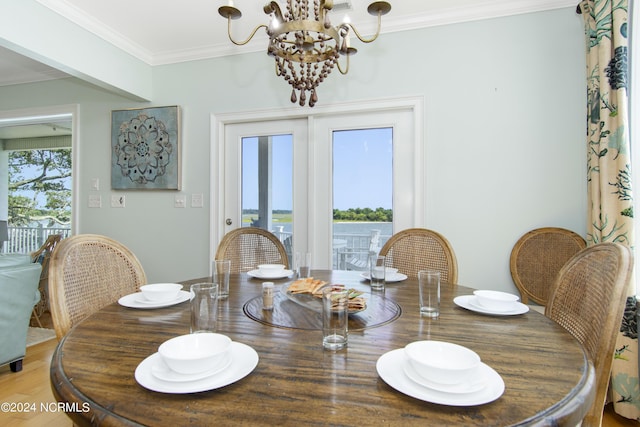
(16, 366)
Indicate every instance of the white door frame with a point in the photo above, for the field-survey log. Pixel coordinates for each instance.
(217, 154)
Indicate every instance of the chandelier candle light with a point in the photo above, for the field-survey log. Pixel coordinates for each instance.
(304, 35)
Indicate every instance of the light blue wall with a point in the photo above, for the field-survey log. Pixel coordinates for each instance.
(503, 131)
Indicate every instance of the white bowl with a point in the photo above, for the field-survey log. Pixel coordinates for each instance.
(194, 353)
(442, 362)
(271, 269)
(390, 270)
(496, 300)
(160, 292)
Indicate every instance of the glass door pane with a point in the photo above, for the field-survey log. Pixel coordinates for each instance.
(267, 185)
(362, 194)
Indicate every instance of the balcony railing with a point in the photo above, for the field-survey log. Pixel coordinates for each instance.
(25, 240)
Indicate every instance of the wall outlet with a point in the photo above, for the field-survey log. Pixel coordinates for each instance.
(197, 200)
(95, 201)
(117, 201)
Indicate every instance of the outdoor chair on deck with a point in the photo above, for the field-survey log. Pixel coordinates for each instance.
(86, 273)
(358, 261)
(418, 249)
(536, 260)
(42, 256)
(247, 247)
(588, 300)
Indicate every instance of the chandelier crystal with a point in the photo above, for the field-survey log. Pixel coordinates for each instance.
(304, 44)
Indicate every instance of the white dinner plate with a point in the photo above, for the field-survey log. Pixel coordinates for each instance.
(161, 371)
(469, 302)
(281, 275)
(390, 367)
(134, 300)
(391, 278)
(244, 360)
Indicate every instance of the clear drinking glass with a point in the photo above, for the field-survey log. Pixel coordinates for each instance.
(429, 290)
(335, 318)
(221, 271)
(204, 307)
(303, 264)
(377, 272)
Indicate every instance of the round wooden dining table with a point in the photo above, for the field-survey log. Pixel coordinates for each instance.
(547, 377)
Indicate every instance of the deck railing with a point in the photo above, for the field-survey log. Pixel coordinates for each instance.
(29, 239)
(25, 240)
(346, 247)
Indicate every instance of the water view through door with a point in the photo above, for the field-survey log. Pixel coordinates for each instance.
(362, 194)
(362, 191)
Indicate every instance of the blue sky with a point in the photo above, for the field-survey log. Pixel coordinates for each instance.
(362, 166)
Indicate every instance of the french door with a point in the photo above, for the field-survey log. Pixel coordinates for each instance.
(266, 162)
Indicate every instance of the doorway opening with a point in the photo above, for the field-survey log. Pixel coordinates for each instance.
(36, 178)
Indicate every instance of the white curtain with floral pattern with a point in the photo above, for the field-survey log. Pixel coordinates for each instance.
(610, 210)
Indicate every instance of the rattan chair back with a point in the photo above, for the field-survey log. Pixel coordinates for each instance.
(536, 260)
(588, 300)
(86, 273)
(247, 247)
(416, 249)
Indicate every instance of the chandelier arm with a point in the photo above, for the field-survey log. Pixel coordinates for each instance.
(346, 70)
(375, 36)
(253, 33)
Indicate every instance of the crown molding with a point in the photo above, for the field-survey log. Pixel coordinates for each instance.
(99, 28)
(480, 10)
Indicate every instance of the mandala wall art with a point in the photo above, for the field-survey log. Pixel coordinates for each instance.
(145, 149)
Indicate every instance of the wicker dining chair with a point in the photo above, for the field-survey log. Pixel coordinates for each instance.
(247, 247)
(588, 300)
(86, 273)
(416, 249)
(536, 260)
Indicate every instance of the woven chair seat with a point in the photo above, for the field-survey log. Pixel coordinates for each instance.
(86, 273)
(536, 260)
(416, 249)
(249, 247)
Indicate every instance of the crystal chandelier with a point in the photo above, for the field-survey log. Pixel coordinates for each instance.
(305, 45)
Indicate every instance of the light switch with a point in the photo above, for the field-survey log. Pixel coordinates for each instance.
(180, 201)
(95, 184)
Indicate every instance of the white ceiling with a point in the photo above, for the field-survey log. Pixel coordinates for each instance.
(170, 31)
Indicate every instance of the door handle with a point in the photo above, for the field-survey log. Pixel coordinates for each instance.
(228, 221)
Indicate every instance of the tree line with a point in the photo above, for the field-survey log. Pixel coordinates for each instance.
(363, 214)
(351, 214)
